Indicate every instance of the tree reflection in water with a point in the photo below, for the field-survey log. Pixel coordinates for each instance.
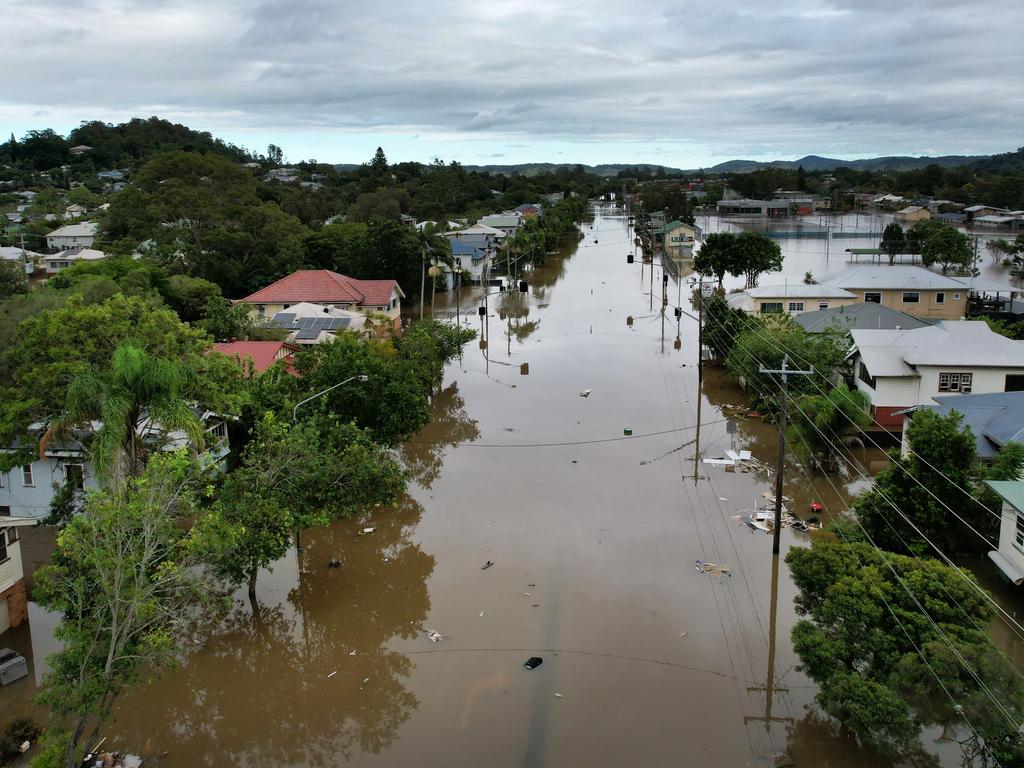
(449, 425)
(819, 741)
(286, 688)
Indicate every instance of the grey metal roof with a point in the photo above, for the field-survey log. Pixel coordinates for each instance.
(799, 290)
(961, 343)
(867, 315)
(307, 334)
(892, 277)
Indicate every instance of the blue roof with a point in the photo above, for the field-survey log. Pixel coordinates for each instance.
(995, 419)
(462, 248)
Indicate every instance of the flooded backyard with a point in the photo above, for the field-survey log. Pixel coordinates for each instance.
(593, 511)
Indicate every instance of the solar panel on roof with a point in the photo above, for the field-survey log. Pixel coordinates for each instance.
(306, 334)
(306, 322)
(343, 322)
(284, 318)
(332, 323)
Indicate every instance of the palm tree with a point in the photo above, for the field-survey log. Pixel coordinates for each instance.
(139, 396)
(432, 243)
(823, 423)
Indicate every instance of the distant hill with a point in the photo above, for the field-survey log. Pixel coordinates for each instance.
(818, 163)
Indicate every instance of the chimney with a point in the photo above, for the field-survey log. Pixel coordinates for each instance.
(327, 310)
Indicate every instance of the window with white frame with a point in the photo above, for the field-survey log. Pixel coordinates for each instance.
(873, 298)
(822, 305)
(796, 306)
(956, 297)
(955, 382)
(26, 476)
(911, 297)
(940, 297)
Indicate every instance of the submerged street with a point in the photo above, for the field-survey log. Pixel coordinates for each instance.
(593, 511)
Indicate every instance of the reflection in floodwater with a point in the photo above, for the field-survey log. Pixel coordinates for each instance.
(309, 682)
(449, 425)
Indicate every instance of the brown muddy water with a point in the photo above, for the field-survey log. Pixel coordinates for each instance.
(593, 539)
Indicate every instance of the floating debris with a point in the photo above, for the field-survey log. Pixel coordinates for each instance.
(712, 569)
(585, 393)
(434, 636)
(533, 662)
(486, 565)
(366, 531)
(332, 674)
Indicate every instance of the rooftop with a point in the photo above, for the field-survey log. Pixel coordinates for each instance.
(866, 315)
(895, 277)
(262, 353)
(1012, 491)
(322, 286)
(995, 419)
(961, 343)
(799, 290)
(81, 229)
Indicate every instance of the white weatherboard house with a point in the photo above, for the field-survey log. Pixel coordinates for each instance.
(13, 597)
(81, 235)
(898, 369)
(1009, 557)
(793, 299)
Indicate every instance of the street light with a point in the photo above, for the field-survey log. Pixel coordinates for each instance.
(295, 411)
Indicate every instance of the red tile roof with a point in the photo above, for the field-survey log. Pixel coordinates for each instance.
(262, 353)
(321, 286)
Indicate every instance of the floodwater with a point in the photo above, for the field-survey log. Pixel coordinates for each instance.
(593, 535)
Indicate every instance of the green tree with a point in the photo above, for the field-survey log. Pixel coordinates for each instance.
(766, 341)
(56, 346)
(379, 164)
(294, 477)
(225, 321)
(820, 424)
(137, 401)
(12, 279)
(939, 472)
(717, 256)
(755, 255)
(127, 583)
(863, 635)
(801, 178)
(893, 241)
(949, 248)
(190, 296)
(723, 325)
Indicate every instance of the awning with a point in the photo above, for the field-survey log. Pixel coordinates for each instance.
(1008, 569)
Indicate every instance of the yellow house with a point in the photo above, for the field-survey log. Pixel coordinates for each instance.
(329, 289)
(914, 290)
(912, 214)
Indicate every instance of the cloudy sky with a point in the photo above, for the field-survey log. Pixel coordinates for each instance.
(686, 83)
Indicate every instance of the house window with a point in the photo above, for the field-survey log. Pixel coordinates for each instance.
(260, 309)
(863, 375)
(3, 549)
(796, 306)
(286, 306)
(26, 476)
(822, 305)
(911, 297)
(940, 297)
(874, 298)
(12, 535)
(2, 479)
(1018, 534)
(75, 476)
(770, 307)
(955, 382)
(956, 297)
(1014, 383)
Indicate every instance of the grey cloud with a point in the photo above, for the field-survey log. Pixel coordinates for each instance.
(856, 76)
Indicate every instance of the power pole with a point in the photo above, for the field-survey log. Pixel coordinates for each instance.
(784, 373)
(769, 688)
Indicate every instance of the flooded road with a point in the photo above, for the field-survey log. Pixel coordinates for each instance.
(593, 534)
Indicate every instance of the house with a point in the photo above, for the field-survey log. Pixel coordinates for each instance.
(792, 298)
(772, 209)
(14, 253)
(1010, 222)
(82, 234)
(678, 239)
(81, 149)
(906, 288)
(1009, 557)
(74, 211)
(507, 223)
(528, 209)
(13, 595)
(27, 491)
(260, 354)
(282, 175)
(314, 323)
(61, 261)
(14, 217)
(995, 419)
(912, 214)
(474, 260)
(322, 286)
(849, 317)
(973, 211)
(111, 175)
(898, 369)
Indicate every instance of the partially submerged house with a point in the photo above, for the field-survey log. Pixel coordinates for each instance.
(1009, 557)
(793, 298)
(898, 369)
(915, 290)
(995, 419)
(862, 315)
